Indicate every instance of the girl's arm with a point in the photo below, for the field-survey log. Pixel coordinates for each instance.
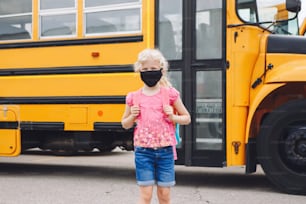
(129, 116)
(182, 117)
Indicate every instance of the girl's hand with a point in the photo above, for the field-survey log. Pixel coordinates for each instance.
(168, 111)
(135, 110)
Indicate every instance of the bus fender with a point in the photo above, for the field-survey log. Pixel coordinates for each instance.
(251, 154)
(293, 71)
(265, 90)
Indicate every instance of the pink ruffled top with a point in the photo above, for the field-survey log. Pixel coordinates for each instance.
(153, 128)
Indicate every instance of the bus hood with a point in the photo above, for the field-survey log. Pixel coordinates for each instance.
(285, 59)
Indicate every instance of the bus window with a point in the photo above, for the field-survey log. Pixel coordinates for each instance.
(209, 110)
(208, 26)
(105, 17)
(15, 19)
(55, 23)
(170, 29)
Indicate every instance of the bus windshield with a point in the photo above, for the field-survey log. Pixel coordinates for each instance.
(271, 15)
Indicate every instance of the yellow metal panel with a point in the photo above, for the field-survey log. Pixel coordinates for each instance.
(10, 142)
(7, 114)
(241, 59)
(113, 84)
(286, 68)
(80, 17)
(57, 56)
(78, 115)
(262, 92)
(82, 117)
(35, 20)
(303, 27)
(148, 25)
(235, 133)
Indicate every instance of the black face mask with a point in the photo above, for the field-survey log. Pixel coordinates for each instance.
(150, 78)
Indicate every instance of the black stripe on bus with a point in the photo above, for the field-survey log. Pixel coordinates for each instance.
(87, 41)
(64, 100)
(109, 127)
(54, 126)
(8, 125)
(66, 70)
(286, 44)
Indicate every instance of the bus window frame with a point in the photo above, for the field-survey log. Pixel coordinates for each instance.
(58, 12)
(113, 7)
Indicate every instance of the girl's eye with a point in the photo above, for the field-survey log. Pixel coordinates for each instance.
(150, 69)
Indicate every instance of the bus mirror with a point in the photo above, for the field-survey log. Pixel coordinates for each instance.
(293, 5)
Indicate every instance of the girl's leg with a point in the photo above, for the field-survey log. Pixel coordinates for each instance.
(145, 176)
(163, 194)
(145, 194)
(165, 174)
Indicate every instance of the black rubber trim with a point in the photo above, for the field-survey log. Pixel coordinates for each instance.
(64, 100)
(88, 41)
(286, 44)
(9, 125)
(109, 127)
(66, 70)
(42, 126)
(251, 154)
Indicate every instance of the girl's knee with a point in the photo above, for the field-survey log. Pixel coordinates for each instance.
(146, 194)
(163, 194)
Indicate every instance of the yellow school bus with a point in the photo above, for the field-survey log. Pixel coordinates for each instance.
(66, 67)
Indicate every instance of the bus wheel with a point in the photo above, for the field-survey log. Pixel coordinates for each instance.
(281, 147)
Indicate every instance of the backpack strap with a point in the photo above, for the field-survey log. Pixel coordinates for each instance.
(165, 95)
(166, 101)
(136, 97)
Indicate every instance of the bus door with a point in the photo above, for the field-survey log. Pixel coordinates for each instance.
(190, 34)
(10, 144)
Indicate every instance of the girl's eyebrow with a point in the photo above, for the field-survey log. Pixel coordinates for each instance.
(151, 68)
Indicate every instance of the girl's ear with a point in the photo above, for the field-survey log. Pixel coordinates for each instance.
(163, 71)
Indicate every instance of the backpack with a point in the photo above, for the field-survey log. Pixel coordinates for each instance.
(166, 101)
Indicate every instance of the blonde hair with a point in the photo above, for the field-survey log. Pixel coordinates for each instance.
(154, 54)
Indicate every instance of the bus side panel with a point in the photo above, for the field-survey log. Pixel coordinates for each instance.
(9, 131)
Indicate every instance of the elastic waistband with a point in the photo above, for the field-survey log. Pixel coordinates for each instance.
(157, 148)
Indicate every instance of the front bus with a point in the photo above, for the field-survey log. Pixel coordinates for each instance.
(239, 66)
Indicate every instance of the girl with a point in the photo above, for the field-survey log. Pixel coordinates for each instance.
(154, 135)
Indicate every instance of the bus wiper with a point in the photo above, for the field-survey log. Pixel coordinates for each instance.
(244, 24)
(255, 24)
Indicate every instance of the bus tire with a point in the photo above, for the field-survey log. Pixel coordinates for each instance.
(281, 147)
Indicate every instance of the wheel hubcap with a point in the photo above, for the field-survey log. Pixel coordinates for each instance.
(302, 148)
(295, 147)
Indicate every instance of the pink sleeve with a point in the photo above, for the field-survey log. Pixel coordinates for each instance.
(173, 95)
(129, 99)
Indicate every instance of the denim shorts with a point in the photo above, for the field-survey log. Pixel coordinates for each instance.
(154, 166)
